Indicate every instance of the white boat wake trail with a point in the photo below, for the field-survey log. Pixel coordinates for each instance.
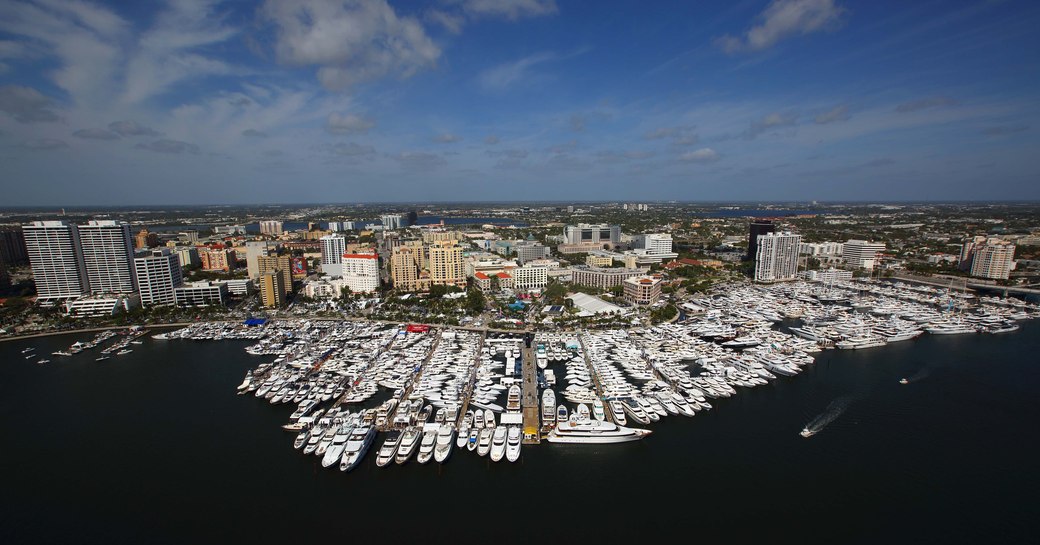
(830, 414)
(921, 374)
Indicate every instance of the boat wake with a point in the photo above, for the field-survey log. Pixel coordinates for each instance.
(830, 414)
(919, 375)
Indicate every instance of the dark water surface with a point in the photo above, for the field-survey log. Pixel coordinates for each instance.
(155, 447)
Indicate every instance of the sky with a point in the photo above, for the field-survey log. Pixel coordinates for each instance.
(338, 101)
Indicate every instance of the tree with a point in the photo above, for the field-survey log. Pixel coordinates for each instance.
(475, 301)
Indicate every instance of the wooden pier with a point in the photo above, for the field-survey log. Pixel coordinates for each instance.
(529, 397)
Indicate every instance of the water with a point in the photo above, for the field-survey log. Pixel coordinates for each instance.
(254, 227)
(155, 447)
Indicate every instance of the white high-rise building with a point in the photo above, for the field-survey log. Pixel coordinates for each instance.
(270, 227)
(335, 226)
(994, 260)
(776, 257)
(158, 276)
(56, 258)
(391, 221)
(361, 272)
(657, 243)
(862, 254)
(584, 233)
(529, 278)
(108, 256)
(332, 249)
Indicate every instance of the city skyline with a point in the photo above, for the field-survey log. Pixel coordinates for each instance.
(519, 100)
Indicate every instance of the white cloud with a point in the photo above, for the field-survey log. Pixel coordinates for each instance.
(771, 121)
(510, 9)
(25, 104)
(351, 41)
(338, 123)
(447, 138)
(703, 155)
(784, 18)
(504, 75)
(838, 113)
(450, 21)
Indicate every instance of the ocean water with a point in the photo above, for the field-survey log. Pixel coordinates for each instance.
(155, 447)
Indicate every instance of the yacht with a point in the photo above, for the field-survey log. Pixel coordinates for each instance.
(361, 438)
(409, 440)
(548, 407)
(561, 413)
(339, 442)
(513, 444)
(581, 429)
(389, 449)
(427, 444)
(471, 443)
(857, 343)
(444, 439)
(513, 401)
(618, 412)
(806, 432)
(498, 444)
(597, 410)
(484, 441)
(743, 342)
(463, 436)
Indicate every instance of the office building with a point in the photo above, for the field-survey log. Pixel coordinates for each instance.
(862, 254)
(446, 265)
(189, 237)
(56, 258)
(994, 260)
(272, 289)
(255, 250)
(281, 263)
(529, 278)
(239, 286)
(158, 275)
(201, 294)
(821, 249)
(827, 276)
(332, 249)
(603, 278)
(595, 260)
(271, 227)
(405, 267)
(642, 290)
(144, 240)
(188, 256)
(968, 251)
(230, 230)
(108, 256)
(482, 281)
(530, 251)
(776, 257)
(391, 221)
(429, 236)
(755, 230)
(592, 234)
(361, 272)
(657, 244)
(101, 306)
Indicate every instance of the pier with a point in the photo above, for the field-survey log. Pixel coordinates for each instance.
(529, 394)
(595, 378)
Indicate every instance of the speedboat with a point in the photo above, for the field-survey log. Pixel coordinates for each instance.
(806, 432)
(904, 381)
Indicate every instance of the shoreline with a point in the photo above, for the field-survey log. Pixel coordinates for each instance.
(90, 330)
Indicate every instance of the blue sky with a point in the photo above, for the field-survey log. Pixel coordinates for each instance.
(196, 101)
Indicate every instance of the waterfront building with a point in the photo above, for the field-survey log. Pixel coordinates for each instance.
(603, 278)
(332, 249)
(56, 258)
(271, 227)
(239, 286)
(108, 256)
(101, 305)
(776, 257)
(862, 254)
(391, 221)
(361, 272)
(446, 265)
(281, 263)
(968, 251)
(642, 290)
(756, 229)
(597, 234)
(994, 260)
(529, 278)
(272, 288)
(158, 275)
(200, 294)
(217, 260)
(827, 275)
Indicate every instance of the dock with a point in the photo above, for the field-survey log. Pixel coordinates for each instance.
(595, 379)
(529, 396)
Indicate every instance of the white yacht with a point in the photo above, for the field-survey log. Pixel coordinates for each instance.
(426, 445)
(444, 439)
(409, 440)
(389, 449)
(581, 429)
(513, 401)
(618, 412)
(339, 442)
(484, 441)
(548, 407)
(360, 440)
(498, 444)
(597, 410)
(513, 444)
(474, 438)
(463, 436)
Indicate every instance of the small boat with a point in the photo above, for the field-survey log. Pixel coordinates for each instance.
(904, 381)
(43, 361)
(102, 358)
(124, 351)
(561, 413)
(471, 443)
(806, 432)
